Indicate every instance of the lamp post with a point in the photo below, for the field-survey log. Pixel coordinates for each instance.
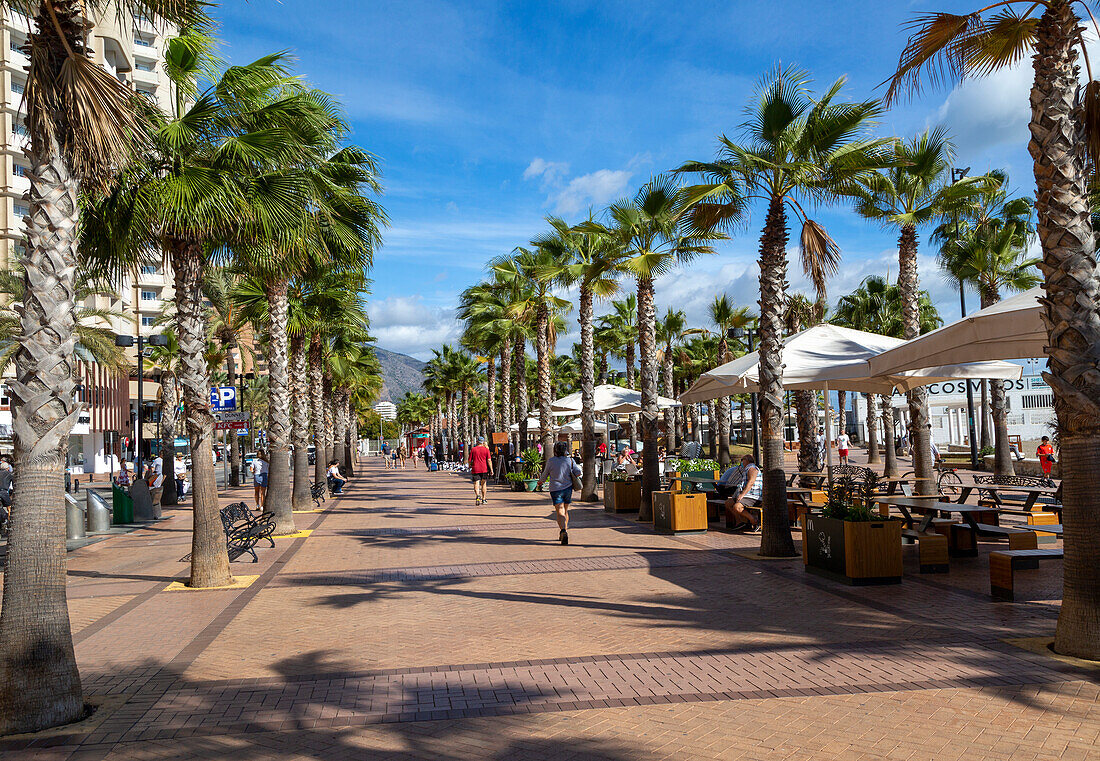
(251, 427)
(958, 175)
(141, 342)
(747, 334)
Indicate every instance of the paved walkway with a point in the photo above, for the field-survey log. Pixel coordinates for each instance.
(412, 624)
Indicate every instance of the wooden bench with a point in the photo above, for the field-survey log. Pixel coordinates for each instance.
(931, 550)
(1018, 538)
(1004, 564)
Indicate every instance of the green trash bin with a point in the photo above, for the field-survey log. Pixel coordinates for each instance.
(122, 505)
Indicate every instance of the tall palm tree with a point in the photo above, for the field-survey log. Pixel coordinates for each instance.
(795, 150)
(670, 331)
(916, 191)
(655, 237)
(226, 324)
(802, 313)
(1061, 135)
(618, 331)
(82, 123)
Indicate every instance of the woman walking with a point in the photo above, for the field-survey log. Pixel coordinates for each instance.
(259, 478)
(562, 473)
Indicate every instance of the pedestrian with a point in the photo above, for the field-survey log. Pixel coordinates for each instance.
(260, 470)
(336, 479)
(563, 474)
(154, 476)
(1045, 453)
(750, 492)
(123, 477)
(404, 455)
(180, 471)
(481, 467)
(429, 455)
(843, 444)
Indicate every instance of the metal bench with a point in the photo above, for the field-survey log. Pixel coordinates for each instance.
(1004, 564)
(996, 480)
(244, 529)
(317, 491)
(931, 549)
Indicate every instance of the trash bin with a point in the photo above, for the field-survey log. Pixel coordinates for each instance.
(122, 504)
(99, 515)
(74, 519)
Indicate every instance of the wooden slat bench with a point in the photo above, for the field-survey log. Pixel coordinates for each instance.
(1018, 538)
(1004, 564)
(931, 549)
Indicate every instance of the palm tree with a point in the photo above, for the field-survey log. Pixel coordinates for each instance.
(618, 331)
(795, 150)
(653, 233)
(82, 123)
(1061, 135)
(225, 326)
(801, 313)
(916, 191)
(670, 331)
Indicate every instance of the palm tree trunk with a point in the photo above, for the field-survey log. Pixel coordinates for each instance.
(891, 467)
(519, 359)
(696, 425)
(630, 384)
(340, 427)
(722, 409)
(775, 539)
(279, 498)
(872, 430)
(329, 419)
(234, 453)
(671, 419)
(301, 499)
(712, 441)
(209, 558)
(588, 398)
(317, 407)
(1002, 455)
(491, 390)
(647, 360)
(985, 438)
(805, 404)
(506, 388)
(1072, 276)
(169, 422)
(39, 681)
(542, 359)
(349, 453)
(920, 423)
(466, 435)
(842, 412)
(603, 368)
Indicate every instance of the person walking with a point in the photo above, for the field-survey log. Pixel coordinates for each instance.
(404, 455)
(563, 474)
(260, 470)
(843, 443)
(481, 467)
(386, 454)
(1045, 453)
(429, 455)
(180, 471)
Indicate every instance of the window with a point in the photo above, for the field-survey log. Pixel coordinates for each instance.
(19, 170)
(144, 65)
(150, 269)
(16, 45)
(20, 209)
(19, 129)
(1037, 401)
(148, 321)
(18, 87)
(19, 249)
(150, 94)
(148, 295)
(142, 42)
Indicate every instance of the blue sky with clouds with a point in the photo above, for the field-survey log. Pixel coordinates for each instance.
(490, 115)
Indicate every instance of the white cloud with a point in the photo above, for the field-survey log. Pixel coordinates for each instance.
(987, 112)
(551, 172)
(407, 325)
(593, 189)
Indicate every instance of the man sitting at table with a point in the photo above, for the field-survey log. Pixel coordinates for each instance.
(744, 488)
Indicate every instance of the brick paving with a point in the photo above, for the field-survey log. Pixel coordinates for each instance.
(413, 624)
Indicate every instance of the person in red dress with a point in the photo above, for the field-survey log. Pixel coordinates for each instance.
(481, 467)
(1045, 452)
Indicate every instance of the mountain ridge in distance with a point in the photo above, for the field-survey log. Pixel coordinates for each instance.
(401, 374)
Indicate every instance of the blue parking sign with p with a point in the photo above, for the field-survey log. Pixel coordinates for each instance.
(223, 398)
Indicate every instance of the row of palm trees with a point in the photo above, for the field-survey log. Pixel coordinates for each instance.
(248, 168)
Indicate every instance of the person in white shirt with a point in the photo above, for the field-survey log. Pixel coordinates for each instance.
(843, 444)
(259, 479)
(336, 479)
(749, 494)
(181, 475)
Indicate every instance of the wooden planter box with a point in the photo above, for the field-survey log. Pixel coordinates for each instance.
(622, 496)
(858, 553)
(675, 513)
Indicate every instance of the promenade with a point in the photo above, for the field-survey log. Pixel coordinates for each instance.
(411, 624)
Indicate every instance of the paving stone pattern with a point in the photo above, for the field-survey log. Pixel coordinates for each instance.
(413, 624)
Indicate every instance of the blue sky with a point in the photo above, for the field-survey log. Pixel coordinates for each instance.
(490, 115)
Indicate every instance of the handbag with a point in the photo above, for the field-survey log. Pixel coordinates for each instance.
(576, 482)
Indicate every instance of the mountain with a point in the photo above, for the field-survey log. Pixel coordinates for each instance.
(400, 374)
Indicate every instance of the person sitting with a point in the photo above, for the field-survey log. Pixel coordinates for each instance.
(336, 481)
(749, 493)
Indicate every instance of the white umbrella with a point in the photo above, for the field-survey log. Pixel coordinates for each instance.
(533, 424)
(575, 426)
(827, 355)
(609, 398)
(1009, 329)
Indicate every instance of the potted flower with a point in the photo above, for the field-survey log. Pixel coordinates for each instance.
(516, 480)
(531, 468)
(849, 541)
(622, 493)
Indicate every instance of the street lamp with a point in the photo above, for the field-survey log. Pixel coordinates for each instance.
(142, 342)
(957, 175)
(747, 334)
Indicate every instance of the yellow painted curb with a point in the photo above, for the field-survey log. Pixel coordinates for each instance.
(1041, 646)
(319, 510)
(239, 582)
(296, 535)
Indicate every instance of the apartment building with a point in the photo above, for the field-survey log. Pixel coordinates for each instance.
(131, 49)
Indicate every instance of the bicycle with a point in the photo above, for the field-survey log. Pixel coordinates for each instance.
(948, 481)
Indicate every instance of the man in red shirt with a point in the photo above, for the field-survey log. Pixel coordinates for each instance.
(481, 467)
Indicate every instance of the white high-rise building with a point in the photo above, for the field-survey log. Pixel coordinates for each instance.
(131, 49)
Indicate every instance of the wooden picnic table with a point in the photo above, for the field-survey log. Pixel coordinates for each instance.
(692, 480)
(932, 510)
(812, 475)
(893, 483)
(1032, 492)
(802, 495)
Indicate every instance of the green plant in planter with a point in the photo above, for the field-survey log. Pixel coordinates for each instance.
(618, 476)
(532, 463)
(514, 477)
(851, 500)
(693, 466)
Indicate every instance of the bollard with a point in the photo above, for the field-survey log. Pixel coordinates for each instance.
(74, 519)
(99, 513)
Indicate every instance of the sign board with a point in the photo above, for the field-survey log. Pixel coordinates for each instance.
(223, 398)
(231, 425)
(499, 437)
(232, 417)
(181, 442)
(242, 431)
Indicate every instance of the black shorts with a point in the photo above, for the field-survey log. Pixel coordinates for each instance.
(475, 477)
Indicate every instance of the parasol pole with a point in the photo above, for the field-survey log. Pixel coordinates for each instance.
(828, 436)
